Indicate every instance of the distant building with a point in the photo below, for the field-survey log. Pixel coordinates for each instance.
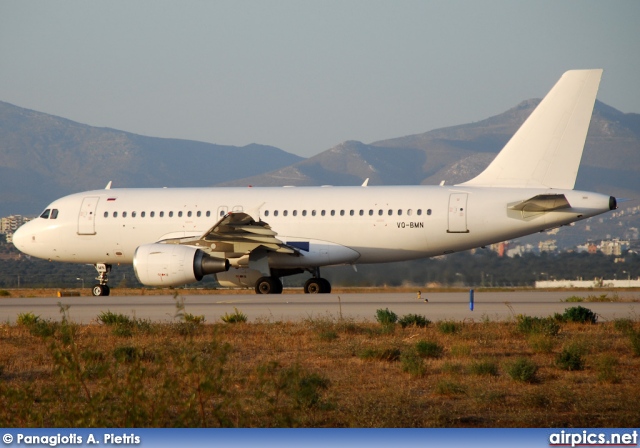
(9, 224)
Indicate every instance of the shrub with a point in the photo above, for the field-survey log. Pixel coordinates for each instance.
(447, 327)
(387, 354)
(484, 368)
(450, 388)
(623, 325)
(412, 363)
(386, 317)
(541, 343)
(328, 335)
(607, 366)
(109, 318)
(522, 369)
(234, 318)
(43, 328)
(27, 319)
(570, 358)
(579, 314)
(537, 325)
(188, 317)
(4, 293)
(634, 336)
(414, 319)
(126, 354)
(429, 349)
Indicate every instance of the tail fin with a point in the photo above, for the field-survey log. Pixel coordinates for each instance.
(546, 150)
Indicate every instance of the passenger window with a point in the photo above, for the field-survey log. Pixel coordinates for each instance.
(380, 212)
(295, 213)
(162, 214)
(106, 214)
(199, 214)
(322, 213)
(390, 212)
(208, 213)
(370, 212)
(133, 214)
(275, 213)
(266, 213)
(428, 211)
(124, 214)
(189, 214)
(180, 214)
(341, 212)
(143, 214)
(152, 214)
(45, 214)
(304, 213)
(285, 213)
(419, 212)
(333, 213)
(399, 212)
(409, 212)
(351, 212)
(313, 213)
(221, 213)
(115, 214)
(170, 214)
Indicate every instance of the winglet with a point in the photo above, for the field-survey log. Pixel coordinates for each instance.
(546, 151)
(108, 187)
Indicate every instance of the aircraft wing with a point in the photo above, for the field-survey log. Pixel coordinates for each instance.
(238, 233)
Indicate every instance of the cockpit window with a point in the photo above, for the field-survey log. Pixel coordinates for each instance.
(45, 214)
(54, 213)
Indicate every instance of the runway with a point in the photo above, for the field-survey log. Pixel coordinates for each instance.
(493, 306)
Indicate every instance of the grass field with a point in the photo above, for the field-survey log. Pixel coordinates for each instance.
(323, 372)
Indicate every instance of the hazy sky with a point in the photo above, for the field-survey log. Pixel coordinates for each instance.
(306, 75)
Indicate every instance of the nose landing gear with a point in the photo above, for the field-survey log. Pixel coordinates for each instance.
(101, 289)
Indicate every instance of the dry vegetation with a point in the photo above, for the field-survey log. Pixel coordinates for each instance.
(323, 372)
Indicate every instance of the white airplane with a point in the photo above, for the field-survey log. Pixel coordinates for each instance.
(252, 237)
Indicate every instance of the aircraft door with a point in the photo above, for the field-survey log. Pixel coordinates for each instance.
(458, 213)
(87, 216)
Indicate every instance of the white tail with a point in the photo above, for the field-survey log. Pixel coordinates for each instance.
(546, 150)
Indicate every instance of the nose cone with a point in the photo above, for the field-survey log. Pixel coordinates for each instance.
(21, 238)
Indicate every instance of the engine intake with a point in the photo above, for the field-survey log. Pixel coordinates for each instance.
(173, 265)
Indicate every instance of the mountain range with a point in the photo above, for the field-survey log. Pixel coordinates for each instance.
(43, 157)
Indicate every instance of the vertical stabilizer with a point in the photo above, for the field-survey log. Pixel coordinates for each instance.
(546, 150)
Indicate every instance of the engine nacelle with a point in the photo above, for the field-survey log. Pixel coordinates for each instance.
(173, 265)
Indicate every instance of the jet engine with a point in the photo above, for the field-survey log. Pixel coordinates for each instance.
(173, 265)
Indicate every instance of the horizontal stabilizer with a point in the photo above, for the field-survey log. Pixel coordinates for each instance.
(542, 203)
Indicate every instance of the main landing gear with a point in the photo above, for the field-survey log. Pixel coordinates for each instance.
(317, 286)
(101, 289)
(273, 285)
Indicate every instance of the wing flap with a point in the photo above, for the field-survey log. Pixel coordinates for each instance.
(238, 233)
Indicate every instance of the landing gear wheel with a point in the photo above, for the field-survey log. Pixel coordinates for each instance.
(317, 286)
(326, 286)
(268, 285)
(100, 290)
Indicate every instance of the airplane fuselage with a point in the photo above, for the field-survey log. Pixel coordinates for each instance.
(336, 225)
